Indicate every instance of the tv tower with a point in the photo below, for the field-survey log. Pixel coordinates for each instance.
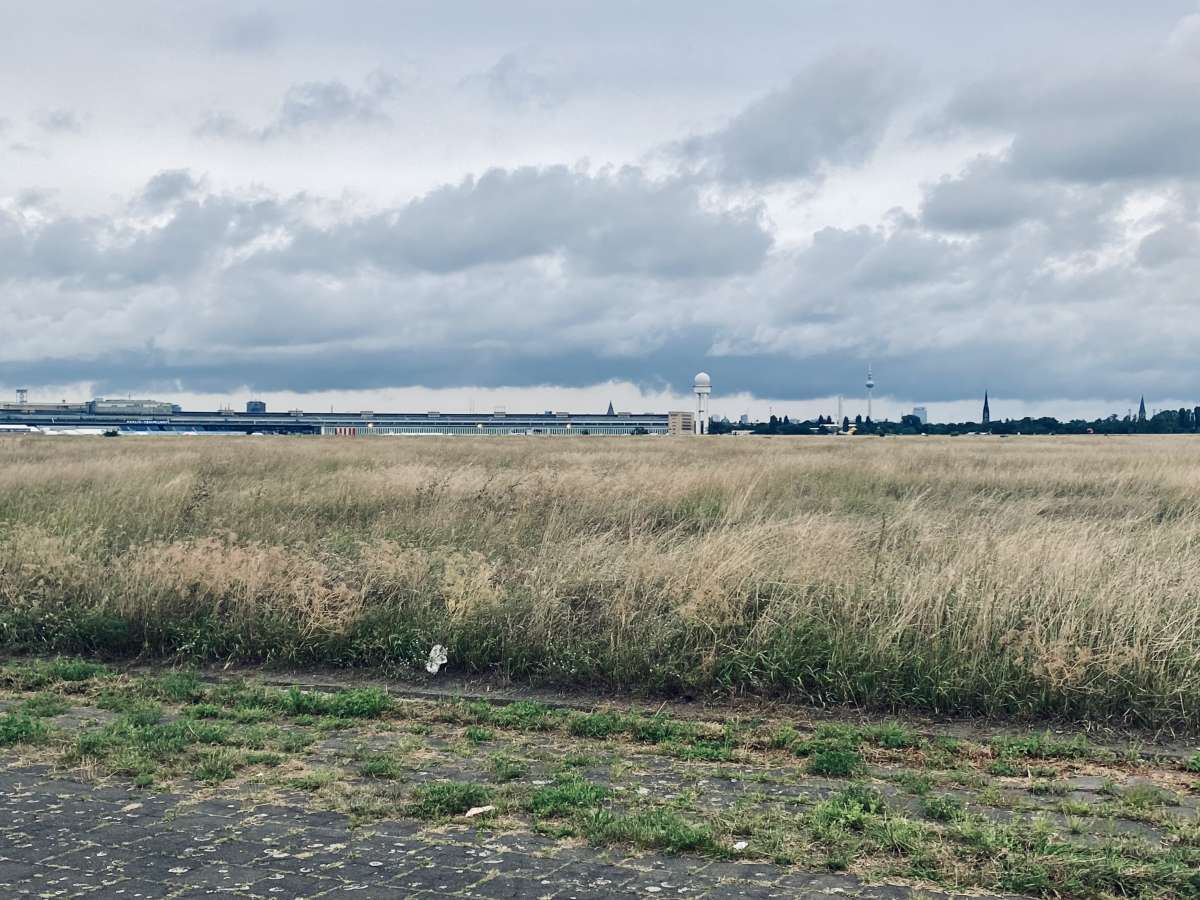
(870, 387)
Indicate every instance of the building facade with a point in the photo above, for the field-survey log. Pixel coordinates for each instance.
(681, 422)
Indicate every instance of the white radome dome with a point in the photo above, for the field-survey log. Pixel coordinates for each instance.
(702, 380)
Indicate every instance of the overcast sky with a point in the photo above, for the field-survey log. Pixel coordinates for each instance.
(548, 204)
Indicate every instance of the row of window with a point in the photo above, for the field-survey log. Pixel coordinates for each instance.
(351, 430)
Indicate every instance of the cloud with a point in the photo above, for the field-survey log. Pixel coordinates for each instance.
(1168, 244)
(513, 82)
(58, 121)
(983, 198)
(1128, 120)
(834, 113)
(168, 186)
(250, 32)
(313, 106)
(606, 223)
(1040, 240)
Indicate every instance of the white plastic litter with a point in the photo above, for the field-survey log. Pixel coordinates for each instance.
(437, 659)
(741, 845)
(479, 811)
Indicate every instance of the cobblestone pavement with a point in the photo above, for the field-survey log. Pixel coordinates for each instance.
(140, 785)
(65, 838)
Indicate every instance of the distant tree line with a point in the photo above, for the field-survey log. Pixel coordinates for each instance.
(1169, 421)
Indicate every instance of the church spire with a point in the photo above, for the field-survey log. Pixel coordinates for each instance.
(1142, 409)
(987, 412)
(611, 411)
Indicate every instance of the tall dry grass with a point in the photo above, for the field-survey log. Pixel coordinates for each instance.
(1036, 576)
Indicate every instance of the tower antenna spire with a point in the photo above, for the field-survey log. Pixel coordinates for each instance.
(870, 388)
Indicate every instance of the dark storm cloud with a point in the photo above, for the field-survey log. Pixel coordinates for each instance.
(835, 112)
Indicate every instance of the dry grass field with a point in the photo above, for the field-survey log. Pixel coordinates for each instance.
(1027, 576)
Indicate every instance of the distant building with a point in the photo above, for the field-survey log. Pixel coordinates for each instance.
(100, 406)
(987, 412)
(744, 419)
(681, 422)
(255, 407)
(1141, 417)
(921, 413)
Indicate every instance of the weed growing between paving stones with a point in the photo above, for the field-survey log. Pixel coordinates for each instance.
(314, 781)
(21, 728)
(658, 829)
(1046, 746)
(436, 801)
(224, 732)
(381, 765)
(943, 808)
(477, 735)
(506, 768)
(45, 706)
(215, 766)
(836, 763)
(567, 795)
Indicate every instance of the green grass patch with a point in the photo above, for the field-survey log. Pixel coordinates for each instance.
(505, 768)
(784, 737)
(565, 796)
(1046, 746)
(22, 728)
(661, 730)
(598, 725)
(36, 674)
(836, 763)
(358, 703)
(313, 781)
(215, 766)
(918, 783)
(45, 706)
(448, 798)
(892, 736)
(943, 807)
(270, 760)
(381, 765)
(701, 751)
(846, 811)
(477, 734)
(659, 829)
(176, 687)
(524, 715)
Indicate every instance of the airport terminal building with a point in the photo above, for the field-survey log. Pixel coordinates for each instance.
(131, 417)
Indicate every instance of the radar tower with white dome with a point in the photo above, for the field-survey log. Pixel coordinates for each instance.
(702, 387)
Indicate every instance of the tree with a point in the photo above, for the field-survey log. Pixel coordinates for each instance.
(845, 423)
